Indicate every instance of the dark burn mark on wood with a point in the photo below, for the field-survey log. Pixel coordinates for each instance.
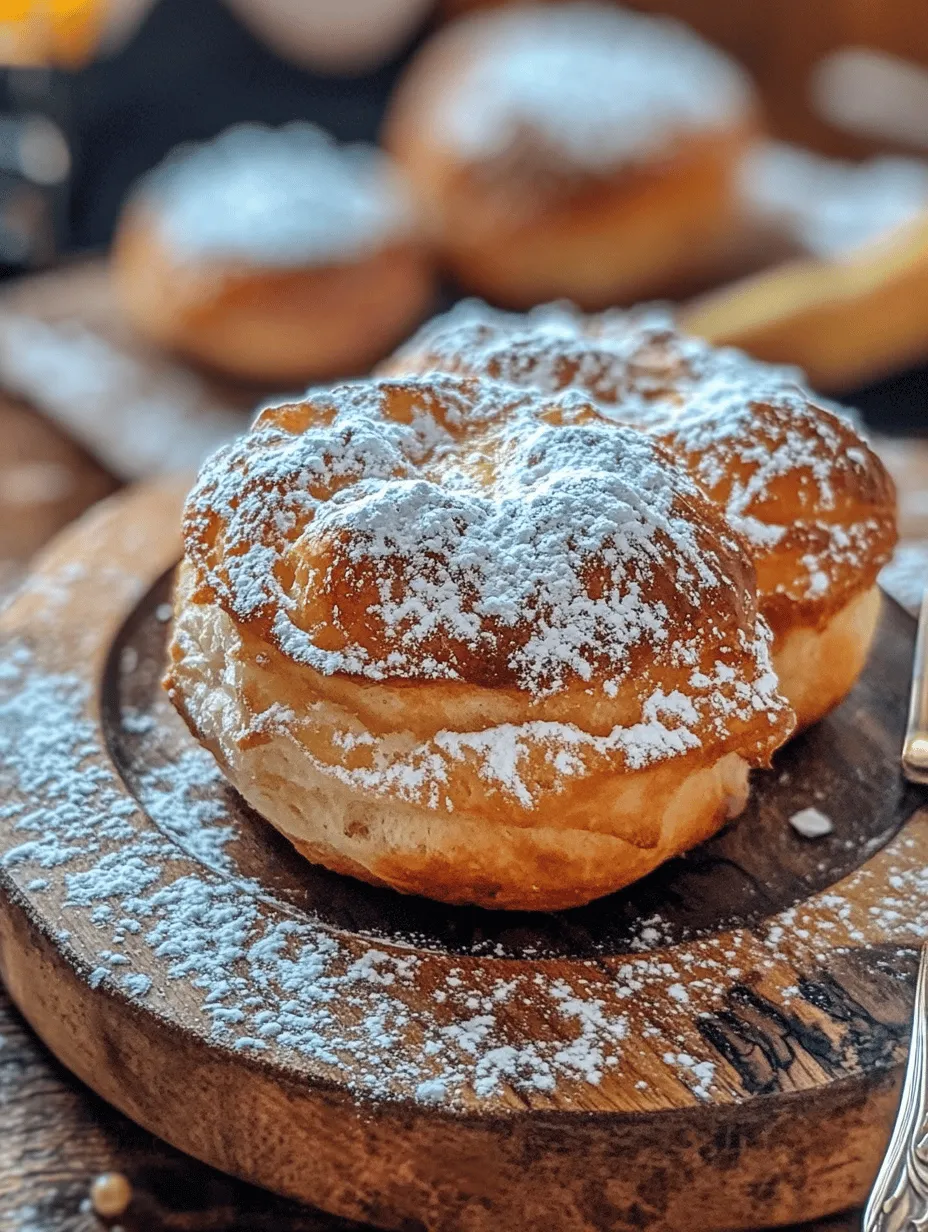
(786, 1030)
(762, 1042)
(867, 1040)
(883, 980)
(869, 1009)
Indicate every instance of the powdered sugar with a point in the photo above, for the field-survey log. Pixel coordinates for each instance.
(178, 800)
(384, 1018)
(699, 1074)
(263, 981)
(750, 433)
(830, 207)
(811, 823)
(596, 85)
(283, 197)
(504, 755)
(473, 517)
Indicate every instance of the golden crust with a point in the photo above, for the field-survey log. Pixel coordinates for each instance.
(415, 488)
(528, 221)
(265, 324)
(668, 231)
(817, 666)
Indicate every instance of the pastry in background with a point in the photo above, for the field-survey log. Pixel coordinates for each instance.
(839, 75)
(825, 207)
(273, 255)
(333, 36)
(574, 150)
(814, 505)
(874, 94)
(853, 304)
(498, 649)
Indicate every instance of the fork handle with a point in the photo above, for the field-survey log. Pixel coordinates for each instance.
(915, 745)
(899, 1199)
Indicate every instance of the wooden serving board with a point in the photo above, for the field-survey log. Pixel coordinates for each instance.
(718, 1047)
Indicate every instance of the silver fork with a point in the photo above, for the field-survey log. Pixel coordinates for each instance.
(915, 745)
(899, 1200)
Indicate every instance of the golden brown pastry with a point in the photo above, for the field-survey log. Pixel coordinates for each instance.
(841, 76)
(578, 150)
(470, 641)
(273, 255)
(812, 501)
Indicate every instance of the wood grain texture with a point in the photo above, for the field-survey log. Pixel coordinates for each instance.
(57, 1136)
(803, 1028)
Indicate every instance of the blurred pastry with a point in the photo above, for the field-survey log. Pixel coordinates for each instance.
(471, 642)
(577, 150)
(853, 305)
(273, 255)
(333, 38)
(840, 75)
(825, 207)
(873, 94)
(813, 503)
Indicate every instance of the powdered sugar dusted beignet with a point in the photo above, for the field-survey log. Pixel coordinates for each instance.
(273, 254)
(811, 499)
(574, 149)
(470, 641)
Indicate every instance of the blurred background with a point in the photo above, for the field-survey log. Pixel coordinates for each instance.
(819, 255)
(849, 79)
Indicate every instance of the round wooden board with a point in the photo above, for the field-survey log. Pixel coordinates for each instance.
(718, 1047)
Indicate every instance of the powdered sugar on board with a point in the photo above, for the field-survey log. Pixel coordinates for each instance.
(282, 197)
(263, 982)
(811, 823)
(595, 85)
(273, 981)
(143, 917)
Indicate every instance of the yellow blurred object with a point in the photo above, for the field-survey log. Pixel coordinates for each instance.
(62, 33)
(844, 321)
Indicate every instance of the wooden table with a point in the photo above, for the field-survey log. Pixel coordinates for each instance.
(55, 1135)
(45, 482)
